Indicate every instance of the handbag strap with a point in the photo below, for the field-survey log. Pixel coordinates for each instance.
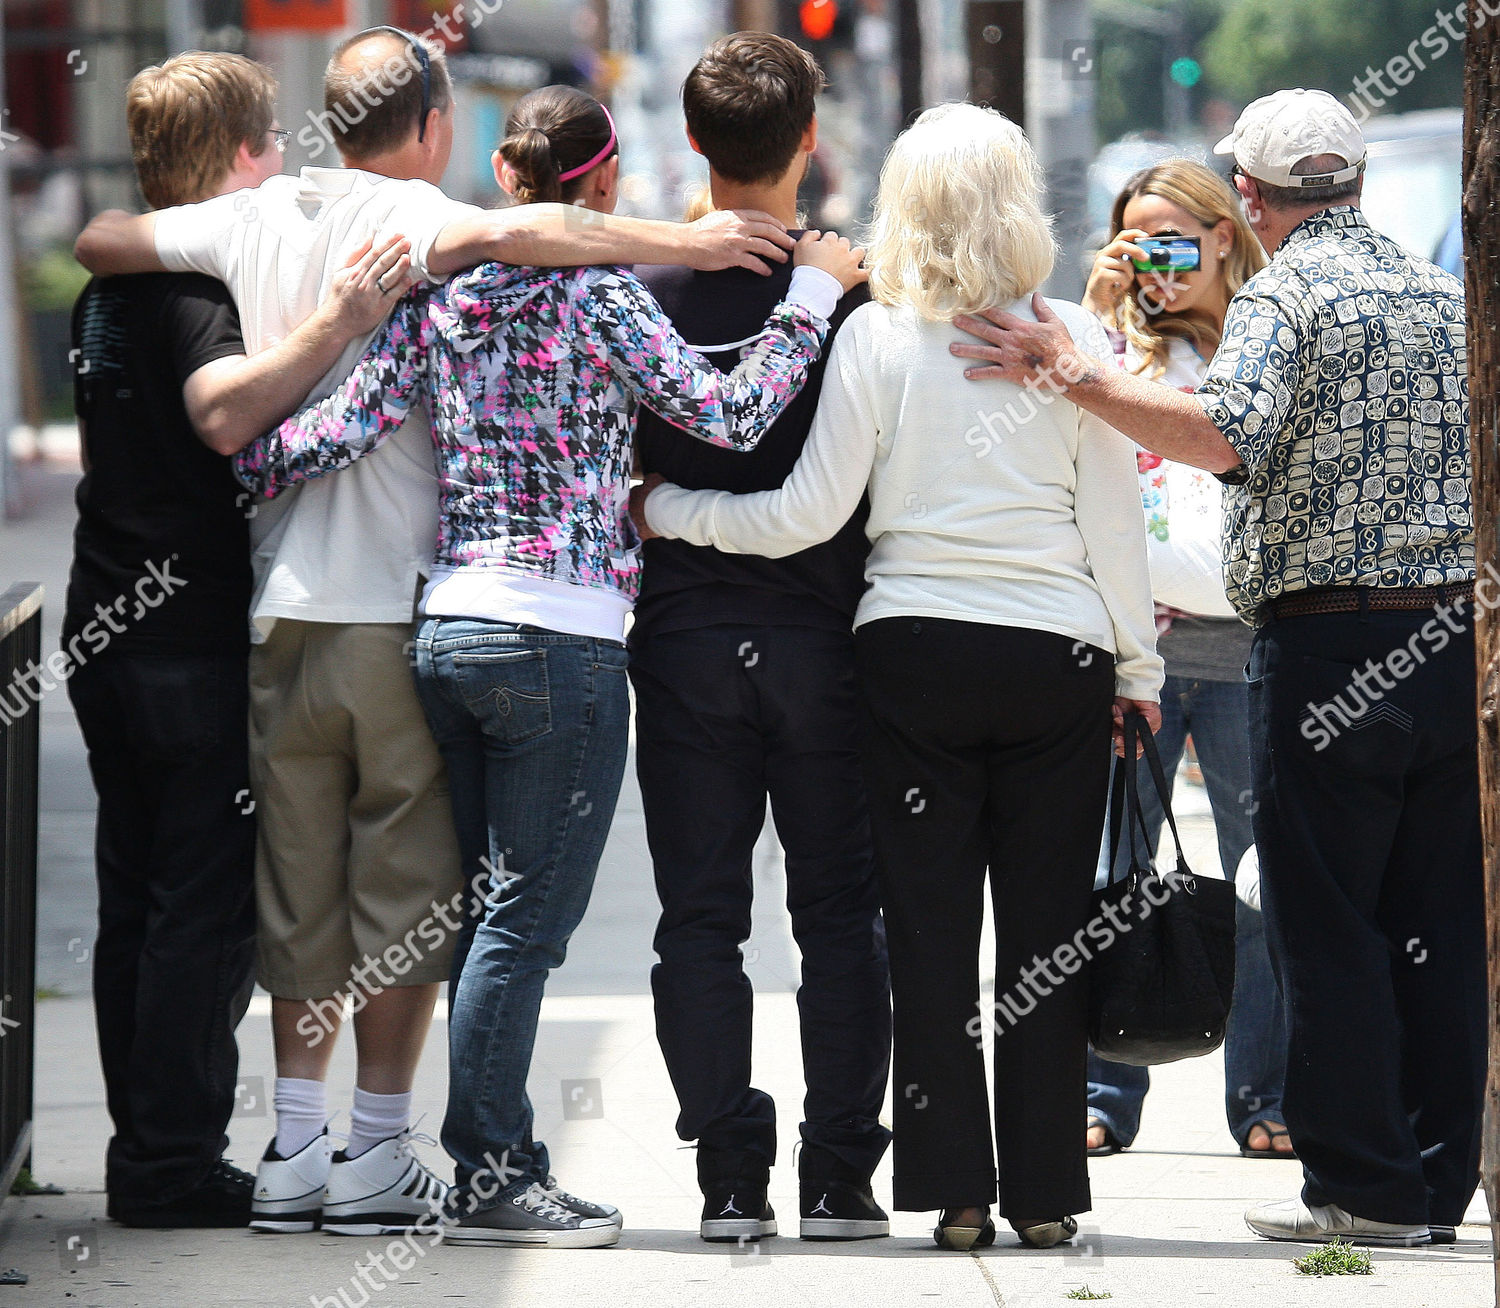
(1159, 779)
(1125, 802)
(1125, 806)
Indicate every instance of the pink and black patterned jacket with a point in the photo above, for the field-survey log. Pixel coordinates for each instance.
(532, 377)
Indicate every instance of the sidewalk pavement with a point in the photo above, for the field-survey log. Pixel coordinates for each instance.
(1166, 1229)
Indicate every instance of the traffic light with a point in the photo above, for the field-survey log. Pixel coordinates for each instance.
(818, 25)
(1186, 72)
(817, 18)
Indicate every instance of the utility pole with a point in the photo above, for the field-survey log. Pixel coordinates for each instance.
(10, 334)
(909, 57)
(1062, 76)
(1482, 263)
(995, 36)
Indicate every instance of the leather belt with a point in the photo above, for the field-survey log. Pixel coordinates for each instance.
(1371, 599)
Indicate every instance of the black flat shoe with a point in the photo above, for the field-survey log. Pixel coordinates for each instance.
(961, 1239)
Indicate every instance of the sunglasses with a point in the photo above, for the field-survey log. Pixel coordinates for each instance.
(424, 62)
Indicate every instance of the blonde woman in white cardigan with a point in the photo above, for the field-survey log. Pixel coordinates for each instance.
(1008, 619)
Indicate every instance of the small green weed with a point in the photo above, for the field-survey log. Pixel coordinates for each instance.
(1336, 1258)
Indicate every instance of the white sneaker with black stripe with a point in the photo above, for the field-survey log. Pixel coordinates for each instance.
(384, 1191)
(288, 1194)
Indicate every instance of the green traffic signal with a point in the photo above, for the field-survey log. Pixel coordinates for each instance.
(1187, 72)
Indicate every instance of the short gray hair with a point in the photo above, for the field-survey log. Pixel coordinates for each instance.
(1301, 197)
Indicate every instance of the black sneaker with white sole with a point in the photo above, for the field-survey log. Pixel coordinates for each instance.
(841, 1210)
(735, 1212)
(532, 1217)
(836, 1200)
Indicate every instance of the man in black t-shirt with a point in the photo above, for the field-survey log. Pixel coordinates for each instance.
(155, 640)
(744, 678)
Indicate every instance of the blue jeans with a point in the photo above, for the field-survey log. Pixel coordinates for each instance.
(533, 727)
(1217, 714)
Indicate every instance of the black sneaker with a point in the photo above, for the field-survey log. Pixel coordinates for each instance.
(841, 1210)
(735, 1212)
(734, 1185)
(836, 1200)
(221, 1199)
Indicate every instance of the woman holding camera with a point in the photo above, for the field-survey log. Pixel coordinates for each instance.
(1180, 248)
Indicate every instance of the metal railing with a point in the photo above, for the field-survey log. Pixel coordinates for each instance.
(20, 738)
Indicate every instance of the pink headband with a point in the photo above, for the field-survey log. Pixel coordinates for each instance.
(598, 158)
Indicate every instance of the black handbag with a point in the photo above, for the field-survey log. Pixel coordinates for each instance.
(1162, 972)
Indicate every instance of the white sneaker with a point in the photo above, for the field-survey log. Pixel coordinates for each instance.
(385, 1191)
(288, 1193)
(1291, 1219)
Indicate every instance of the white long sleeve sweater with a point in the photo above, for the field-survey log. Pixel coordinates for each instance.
(988, 503)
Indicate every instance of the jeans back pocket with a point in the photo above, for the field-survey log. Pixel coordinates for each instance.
(506, 690)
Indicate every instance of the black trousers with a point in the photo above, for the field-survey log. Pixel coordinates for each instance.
(175, 852)
(1372, 887)
(727, 716)
(987, 750)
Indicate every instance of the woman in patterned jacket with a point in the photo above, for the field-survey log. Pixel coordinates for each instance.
(532, 377)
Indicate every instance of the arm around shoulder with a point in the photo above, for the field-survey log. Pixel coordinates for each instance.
(116, 242)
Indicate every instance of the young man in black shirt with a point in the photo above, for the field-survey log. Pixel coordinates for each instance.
(156, 639)
(744, 679)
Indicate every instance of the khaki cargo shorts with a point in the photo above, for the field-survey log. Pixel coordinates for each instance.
(356, 849)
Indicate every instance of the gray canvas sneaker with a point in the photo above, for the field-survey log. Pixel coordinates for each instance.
(583, 1207)
(532, 1217)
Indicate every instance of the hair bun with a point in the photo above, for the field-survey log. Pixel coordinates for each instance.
(528, 151)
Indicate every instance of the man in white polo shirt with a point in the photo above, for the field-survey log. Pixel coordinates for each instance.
(357, 869)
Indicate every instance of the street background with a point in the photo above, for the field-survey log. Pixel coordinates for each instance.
(1103, 88)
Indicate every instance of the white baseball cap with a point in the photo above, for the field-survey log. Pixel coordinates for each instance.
(1280, 130)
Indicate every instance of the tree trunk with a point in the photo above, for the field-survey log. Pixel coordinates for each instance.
(1482, 250)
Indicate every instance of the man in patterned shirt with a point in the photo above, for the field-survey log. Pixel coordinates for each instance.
(1337, 408)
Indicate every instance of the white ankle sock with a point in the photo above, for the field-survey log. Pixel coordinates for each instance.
(301, 1113)
(375, 1118)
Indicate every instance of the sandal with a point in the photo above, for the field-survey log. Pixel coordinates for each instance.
(1270, 1151)
(1111, 1143)
(1045, 1235)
